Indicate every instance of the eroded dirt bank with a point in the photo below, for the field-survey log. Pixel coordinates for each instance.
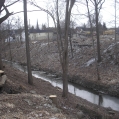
(20, 99)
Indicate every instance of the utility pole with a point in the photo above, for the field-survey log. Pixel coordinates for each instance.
(30, 80)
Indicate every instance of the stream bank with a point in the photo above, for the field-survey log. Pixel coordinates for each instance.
(46, 59)
(95, 86)
(91, 96)
(72, 105)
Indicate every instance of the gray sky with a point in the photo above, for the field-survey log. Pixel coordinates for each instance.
(107, 13)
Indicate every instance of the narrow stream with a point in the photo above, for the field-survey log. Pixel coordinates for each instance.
(102, 100)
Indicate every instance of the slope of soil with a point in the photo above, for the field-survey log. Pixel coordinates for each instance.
(22, 101)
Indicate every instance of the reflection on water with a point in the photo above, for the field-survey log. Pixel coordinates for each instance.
(102, 100)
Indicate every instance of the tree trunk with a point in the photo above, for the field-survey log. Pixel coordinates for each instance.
(30, 80)
(48, 31)
(71, 47)
(65, 80)
(63, 46)
(1, 65)
(59, 29)
(65, 54)
(10, 50)
(97, 33)
(97, 70)
(4, 49)
(115, 37)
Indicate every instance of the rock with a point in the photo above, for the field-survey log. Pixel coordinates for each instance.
(39, 107)
(3, 80)
(47, 105)
(54, 110)
(33, 92)
(80, 115)
(109, 109)
(1, 72)
(28, 101)
(111, 112)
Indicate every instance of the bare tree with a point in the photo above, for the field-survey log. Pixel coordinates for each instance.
(30, 80)
(91, 26)
(1, 20)
(97, 5)
(45, 10)
(9, 41)
(62, 44)
(19, 27)
(71, 28)
(63, 52)
(61, 30)
(115, 32)
(48, 31)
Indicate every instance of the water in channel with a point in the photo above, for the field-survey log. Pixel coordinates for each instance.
(102, 100)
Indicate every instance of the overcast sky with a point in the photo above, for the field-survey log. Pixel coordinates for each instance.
(107, 13)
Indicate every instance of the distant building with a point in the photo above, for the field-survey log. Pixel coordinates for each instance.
(37, 34)
(18, 34)
(14, 34)
(83, 31)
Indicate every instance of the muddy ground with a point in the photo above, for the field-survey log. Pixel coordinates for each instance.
(22, 101)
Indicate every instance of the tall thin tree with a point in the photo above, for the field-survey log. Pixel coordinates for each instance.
(48, 29)
(91, 26)
(10, 53)
(115, 35)
(69, 5)
(30, 80)
(98, 6)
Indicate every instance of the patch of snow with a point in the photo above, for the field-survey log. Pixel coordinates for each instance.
(77, 50)
(34, 42)
(44, 44)
(65, 107)
(110, 47)
(90, 62)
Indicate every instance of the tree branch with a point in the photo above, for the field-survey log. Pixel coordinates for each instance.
(27, 11)
(9, 5)
(1, 4)
(101, 6)
(93, 2)
(6, 16)
(42, 9)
